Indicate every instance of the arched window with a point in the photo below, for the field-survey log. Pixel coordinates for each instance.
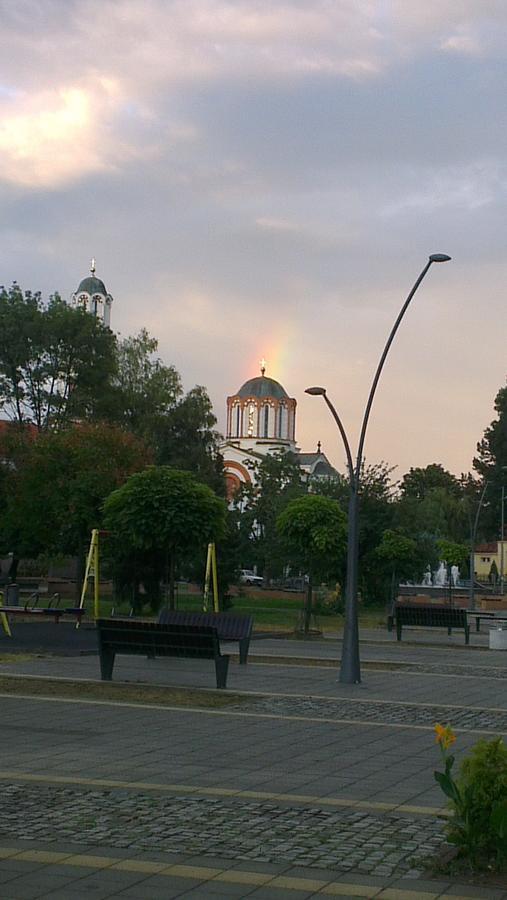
(265, 427)
(282, 421)
(238, 420)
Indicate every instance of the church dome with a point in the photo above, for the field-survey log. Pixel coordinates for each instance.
(262, 411)
(92, 285)
(262, 387)
(92, 296)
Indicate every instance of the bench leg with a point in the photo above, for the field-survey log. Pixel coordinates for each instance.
(106, 664)
(467, 634)
(477, 624)
(398, 630)
(244, 644)
(221, 669)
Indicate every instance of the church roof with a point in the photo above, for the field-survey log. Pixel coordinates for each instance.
(263, 387)
(92, 285)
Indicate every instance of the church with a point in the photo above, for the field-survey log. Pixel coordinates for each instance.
(261, 419)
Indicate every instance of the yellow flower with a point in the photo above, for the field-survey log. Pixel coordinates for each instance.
(444, 736)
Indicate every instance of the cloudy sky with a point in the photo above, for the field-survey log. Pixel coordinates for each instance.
(267, 178)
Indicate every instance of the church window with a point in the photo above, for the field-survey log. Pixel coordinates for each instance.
(266, 421)
(281, 421)
(251, 414)
(238, 414)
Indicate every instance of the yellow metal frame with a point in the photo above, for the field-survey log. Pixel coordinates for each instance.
(3, 617)
(92, 571)
(211, 574)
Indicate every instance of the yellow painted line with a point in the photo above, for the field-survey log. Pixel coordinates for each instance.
(236, 693)
(138, 865)
(394, 894)
(313, 799)
(236, 876)
(43, 856)
(210, 874)
(337, 889)
(322, 720)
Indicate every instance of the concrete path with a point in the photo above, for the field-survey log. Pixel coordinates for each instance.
(302, 787)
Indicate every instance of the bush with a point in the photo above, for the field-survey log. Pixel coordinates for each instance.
(478, 798)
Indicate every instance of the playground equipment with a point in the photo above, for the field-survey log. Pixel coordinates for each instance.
(92, 573)
(211, 572)
(41, 612)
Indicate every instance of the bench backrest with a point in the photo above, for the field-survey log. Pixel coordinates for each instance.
(153, 639)
(228, 626)
(445, 616)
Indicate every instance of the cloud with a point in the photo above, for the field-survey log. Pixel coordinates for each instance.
(113, 91)
(49, 137)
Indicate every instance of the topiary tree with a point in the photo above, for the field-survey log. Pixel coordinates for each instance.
(314, 532)
(158, 517)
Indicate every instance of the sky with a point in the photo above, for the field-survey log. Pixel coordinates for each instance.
(266, 178)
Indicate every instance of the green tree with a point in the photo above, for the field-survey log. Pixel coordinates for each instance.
(54, 484)
(149, 400)
(56, 361)
(397, 555)
(491, 465)
(376, 510)
(419, 482)
(314, 533)
(278, 479)
(158, 518)
(145, 389)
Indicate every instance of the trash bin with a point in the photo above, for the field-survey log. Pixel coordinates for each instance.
(11, 593)
(498, 639)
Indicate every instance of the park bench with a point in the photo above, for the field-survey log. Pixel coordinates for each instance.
(488, 616)
(229, 626)
(433, 617)
(152, 639)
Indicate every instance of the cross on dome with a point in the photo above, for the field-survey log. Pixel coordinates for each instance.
(263, 365)
(92, 267)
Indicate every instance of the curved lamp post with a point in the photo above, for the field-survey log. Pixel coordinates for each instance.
(350, 669)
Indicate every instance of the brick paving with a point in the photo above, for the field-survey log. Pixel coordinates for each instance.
(297, 793)
(264, 831)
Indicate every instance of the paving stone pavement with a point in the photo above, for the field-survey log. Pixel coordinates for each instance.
(310, 788)
(383, 712)
(264, 831)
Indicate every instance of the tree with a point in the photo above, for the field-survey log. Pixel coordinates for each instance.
(54, 484)
(186, 439)
(376, 510)
(398, 555)
(157, 518)
(55, 361)
(148, 399)
(144, 388)
(418, 482)
(490, 464)
(314, 532)
(277, 480)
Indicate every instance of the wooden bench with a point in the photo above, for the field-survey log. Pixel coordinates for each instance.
(229, 626)
(433, 617)
(152, 639)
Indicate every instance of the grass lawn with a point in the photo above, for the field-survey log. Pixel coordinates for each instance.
(270, 613)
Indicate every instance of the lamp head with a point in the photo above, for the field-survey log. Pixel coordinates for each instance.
(316, 391)
(439, 257)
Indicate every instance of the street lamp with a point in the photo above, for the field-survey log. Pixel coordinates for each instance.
(350, 669)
